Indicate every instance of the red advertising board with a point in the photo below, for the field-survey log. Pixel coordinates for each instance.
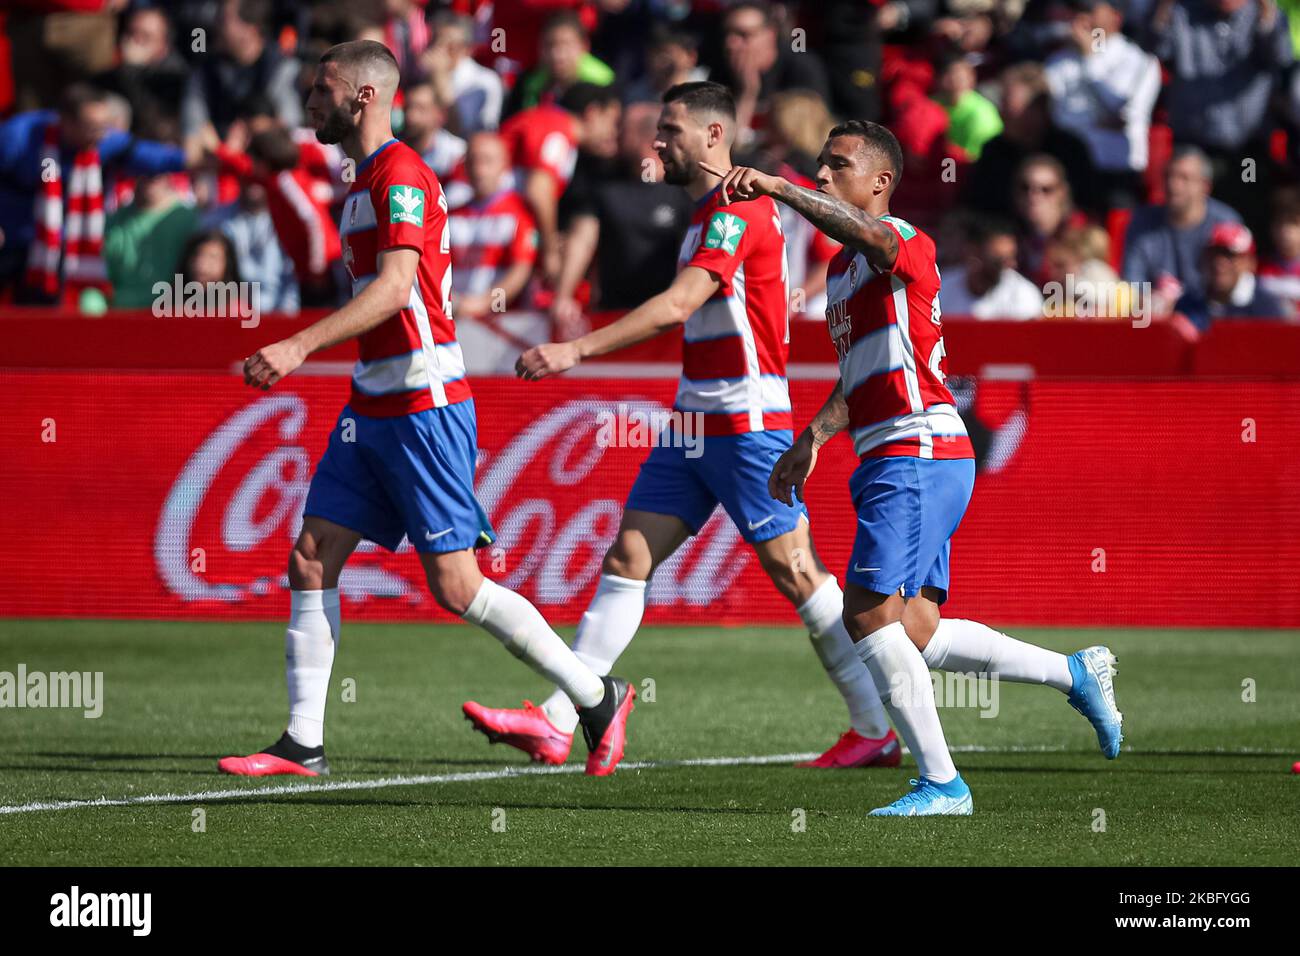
(139, 494)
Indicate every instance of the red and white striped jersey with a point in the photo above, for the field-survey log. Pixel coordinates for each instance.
(887, 332)
(488, 237)
(735, 345)
(412, 361)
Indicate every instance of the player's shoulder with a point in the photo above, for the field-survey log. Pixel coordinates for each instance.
(399, 160)
(906, 230)
(918, 241)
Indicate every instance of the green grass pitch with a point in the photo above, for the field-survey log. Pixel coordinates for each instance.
(1204, 778)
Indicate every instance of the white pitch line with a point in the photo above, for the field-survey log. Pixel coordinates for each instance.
(335, 786)
(204, 796)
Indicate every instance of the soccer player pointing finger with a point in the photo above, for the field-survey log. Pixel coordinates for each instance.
(917, 468)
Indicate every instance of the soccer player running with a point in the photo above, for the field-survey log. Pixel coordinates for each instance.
(401, 458)
(917, 467)
(732, 298)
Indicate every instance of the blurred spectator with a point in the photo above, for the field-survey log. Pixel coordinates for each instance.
(1231, 290)
(972, 119)
(209, 257)
(56, 170)
(149, 73)
(1164, 243)
(543, 143)
(142, 241)
(54, 43)
(523, 22)
(298, 193)
(799, 124)
(933, 165)
(246, 62)
(849, 36)
(1044, 210)
(1225, 59)
(564, 59)
(987, 284)
(247, 223)
(1280, 272)
(424, 130)
(672, 57)
(1027, 130)
(470, 93)
(493, 237)
(759, 64)
(1104, 88)
(1084, 284)
(631, 227)
(406, 34)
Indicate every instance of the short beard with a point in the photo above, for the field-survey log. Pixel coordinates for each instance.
(678, 177)
(335, 128)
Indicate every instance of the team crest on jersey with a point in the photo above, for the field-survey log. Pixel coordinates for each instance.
(724, 232)
(406, 204)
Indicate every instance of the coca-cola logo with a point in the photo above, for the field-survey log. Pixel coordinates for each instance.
(553, 492)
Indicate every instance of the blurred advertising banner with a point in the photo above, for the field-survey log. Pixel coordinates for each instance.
(1097, 503)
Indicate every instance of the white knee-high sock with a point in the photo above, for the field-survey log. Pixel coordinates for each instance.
(823, 615)
(309, 646)
(966, 646)
(512, 620)
(896, 664)
(606, 629)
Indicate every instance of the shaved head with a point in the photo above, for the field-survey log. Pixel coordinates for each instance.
(365, 63)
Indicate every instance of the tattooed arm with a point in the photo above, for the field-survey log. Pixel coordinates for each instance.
(846, 224)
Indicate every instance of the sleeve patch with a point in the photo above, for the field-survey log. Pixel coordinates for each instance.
(724, 232)
(406, 205)
(905, 229)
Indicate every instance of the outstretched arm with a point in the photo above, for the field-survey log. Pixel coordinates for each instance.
(793, 468)
(690, 290)
(845, 223)
(378, 302)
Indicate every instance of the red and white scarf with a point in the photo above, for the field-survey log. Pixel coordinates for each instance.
(79, 235)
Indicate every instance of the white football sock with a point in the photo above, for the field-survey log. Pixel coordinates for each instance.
(966, 646)
(823, 615)
(512, 620)
(606, 629)
(309, 646)
(895, 663)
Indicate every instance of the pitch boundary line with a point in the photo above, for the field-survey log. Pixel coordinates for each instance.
(504, 773)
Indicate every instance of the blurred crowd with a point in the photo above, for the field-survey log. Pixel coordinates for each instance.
(1140, 149)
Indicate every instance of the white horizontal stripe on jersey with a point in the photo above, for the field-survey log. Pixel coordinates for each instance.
(733, 395)
(409, 371)
(874, 354)
(937, 421)
(716, 319)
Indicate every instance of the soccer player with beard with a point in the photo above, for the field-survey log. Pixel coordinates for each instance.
(731, 296)
(917, 466)
(400, 461)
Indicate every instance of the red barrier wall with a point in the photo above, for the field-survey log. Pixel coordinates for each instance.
(1098, 502)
